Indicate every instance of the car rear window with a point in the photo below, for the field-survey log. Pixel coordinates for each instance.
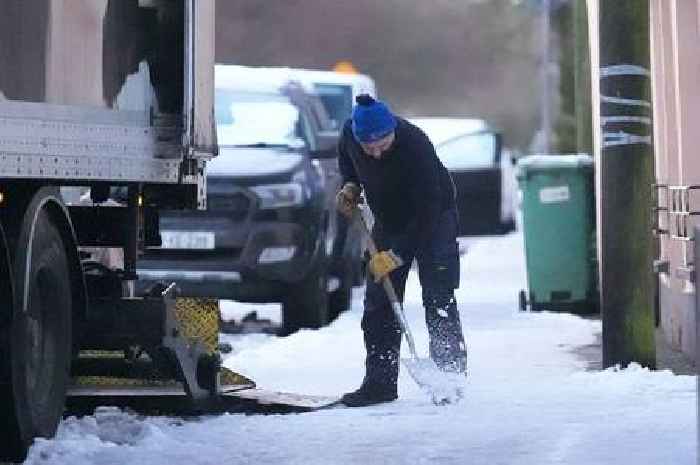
(470, 151)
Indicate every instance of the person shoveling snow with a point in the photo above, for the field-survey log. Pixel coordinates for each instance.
(412, 198)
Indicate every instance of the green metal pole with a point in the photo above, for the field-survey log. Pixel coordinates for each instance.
(626, 175)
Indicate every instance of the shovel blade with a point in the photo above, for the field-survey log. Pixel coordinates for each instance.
(443, 387)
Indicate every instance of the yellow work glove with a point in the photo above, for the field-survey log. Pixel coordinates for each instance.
(382, 263)
(348, 198)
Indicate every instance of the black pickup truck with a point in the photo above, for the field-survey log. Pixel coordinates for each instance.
(270, 230)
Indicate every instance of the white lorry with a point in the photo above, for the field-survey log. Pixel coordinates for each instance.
(105, 95)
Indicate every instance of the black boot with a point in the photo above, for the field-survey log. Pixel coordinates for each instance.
(447, 347)
(381, 379)
(382, 337)
(370, 393)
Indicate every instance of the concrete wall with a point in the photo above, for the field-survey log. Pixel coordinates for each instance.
(675, 69)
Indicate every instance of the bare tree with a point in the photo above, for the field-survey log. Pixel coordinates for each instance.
(442, 58)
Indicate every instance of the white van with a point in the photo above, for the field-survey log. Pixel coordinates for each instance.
(336, 90)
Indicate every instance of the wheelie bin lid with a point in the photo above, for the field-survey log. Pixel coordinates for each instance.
(532, 163)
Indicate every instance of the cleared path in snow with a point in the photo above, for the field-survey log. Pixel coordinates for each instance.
(530, 400)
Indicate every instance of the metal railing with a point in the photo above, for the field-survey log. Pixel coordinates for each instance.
(673, 216)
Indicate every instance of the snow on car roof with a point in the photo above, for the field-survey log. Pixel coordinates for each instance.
(312, 76)
(247, 76)
(440, 129)
(248, 79)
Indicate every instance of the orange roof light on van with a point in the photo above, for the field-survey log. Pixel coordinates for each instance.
(345, 67)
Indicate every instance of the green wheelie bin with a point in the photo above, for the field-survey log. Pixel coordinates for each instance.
(558, 225)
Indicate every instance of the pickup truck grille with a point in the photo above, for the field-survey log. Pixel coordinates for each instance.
(236, 205)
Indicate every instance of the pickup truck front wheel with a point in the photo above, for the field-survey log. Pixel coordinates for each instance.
(306, 304)
(348, 268)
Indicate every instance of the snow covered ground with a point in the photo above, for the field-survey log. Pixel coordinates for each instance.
(530, 399)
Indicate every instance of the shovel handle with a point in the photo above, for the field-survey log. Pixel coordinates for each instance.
(396, 305)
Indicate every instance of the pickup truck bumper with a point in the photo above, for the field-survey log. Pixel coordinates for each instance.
(271, 258)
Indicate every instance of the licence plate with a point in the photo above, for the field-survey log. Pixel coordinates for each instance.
(193, 240)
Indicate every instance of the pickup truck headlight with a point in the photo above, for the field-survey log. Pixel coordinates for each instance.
(279, 195)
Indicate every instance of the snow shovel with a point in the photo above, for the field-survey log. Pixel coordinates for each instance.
(442, 387)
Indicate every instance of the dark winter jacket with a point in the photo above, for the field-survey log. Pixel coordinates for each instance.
(407, 188)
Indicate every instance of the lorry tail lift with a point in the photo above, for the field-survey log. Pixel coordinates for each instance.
(172, 365)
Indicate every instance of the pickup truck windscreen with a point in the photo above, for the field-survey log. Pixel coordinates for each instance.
(252, 119)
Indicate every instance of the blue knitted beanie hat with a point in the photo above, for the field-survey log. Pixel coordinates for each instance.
(371, 119)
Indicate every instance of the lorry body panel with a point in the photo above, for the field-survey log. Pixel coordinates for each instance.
(94, 90)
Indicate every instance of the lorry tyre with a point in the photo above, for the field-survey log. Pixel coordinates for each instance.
(36, 376)
(306, 305)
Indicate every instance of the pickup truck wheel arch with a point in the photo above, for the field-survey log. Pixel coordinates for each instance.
(306, 303)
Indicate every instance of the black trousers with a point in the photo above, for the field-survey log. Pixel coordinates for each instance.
(438, 272)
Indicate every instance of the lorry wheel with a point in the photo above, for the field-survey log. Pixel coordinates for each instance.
(39, 343)
(306, 305)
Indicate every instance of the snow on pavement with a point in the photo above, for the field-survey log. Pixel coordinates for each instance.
(530, 400)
